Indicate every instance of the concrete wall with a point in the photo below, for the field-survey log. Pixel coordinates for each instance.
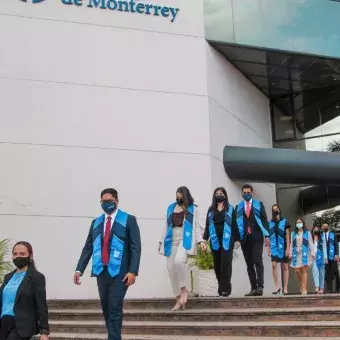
(94, 98)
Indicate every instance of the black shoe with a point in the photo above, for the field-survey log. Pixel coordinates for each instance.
(259, 291)
(277, 292)
(225, 294)
(252, 293)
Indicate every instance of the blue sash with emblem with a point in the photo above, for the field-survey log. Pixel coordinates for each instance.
(116, 249)
(257, 213)
(319, 252)
(226, 230)
(304, 248)
(277, 241)
(187, 229)
(331, 246)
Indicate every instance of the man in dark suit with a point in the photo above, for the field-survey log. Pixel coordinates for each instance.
(114, 244)
(252, 223)
(332, 269)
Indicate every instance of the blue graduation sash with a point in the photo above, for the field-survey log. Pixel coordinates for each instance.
(304, 248)
(277, 242)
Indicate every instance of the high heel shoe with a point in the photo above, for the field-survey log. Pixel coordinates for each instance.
(277, 292)
(177, 306)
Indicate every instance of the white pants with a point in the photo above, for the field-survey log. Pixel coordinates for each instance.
(177, 262)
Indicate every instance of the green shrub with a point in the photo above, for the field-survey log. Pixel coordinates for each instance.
(5, 266)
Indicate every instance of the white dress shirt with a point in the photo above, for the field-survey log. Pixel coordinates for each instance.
(113, 217)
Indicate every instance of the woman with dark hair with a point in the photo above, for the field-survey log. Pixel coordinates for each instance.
(279, 243)
(182, 233)
(301, 252)
(320, 260)
(222, 231)
(23, 298)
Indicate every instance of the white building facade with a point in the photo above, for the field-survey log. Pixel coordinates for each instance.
(95, 97)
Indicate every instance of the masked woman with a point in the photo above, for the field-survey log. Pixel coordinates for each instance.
(279, 247)
(301, 252)
(183, 233)
(320, 260)
(23, 298)
(222, 231)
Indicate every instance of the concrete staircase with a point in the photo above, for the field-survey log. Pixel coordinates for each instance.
(292, 317)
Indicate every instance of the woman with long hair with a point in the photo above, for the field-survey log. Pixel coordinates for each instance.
(221, 230)
(182, 234)
(301, 253)
(279, 239)
(23, 298)
(320, 260)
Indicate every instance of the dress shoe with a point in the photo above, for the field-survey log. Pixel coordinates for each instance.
(251, 293)
(259, 291)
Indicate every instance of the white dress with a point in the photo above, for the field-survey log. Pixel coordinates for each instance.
(311, 248)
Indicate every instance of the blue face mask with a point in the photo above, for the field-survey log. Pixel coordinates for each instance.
(247, 197)
(109, 206)
(299, 225)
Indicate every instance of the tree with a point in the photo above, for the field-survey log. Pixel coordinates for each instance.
(5, 265)
(334, 146)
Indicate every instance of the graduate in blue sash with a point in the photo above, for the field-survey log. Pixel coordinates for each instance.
(279, 243)
(320, 248)
(252, 223)
(180, 238)
(114, 244)
(301, 253)
(332, 269)
(222, 232)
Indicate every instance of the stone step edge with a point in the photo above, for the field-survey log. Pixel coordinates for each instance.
(215, 311)
(73, 336)
(181, 324)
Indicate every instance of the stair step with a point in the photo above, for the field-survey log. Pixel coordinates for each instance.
(263, 328)
(217, 314)
(201, 303)
(71, 336)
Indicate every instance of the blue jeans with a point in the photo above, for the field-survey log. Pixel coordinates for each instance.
(318, 275)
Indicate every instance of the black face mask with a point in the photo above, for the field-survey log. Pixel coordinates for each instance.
(316, 232)
(219, 199)
(325, 230)
(276, 213)
(21, 262)
(179, 201)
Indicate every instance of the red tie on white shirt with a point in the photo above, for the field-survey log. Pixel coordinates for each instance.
(105, 250)
(248, 209)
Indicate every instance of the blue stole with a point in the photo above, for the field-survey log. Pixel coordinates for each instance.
(117, 245)
(304, 249)
(226, 229)
(331, 246)
(187, 229)
(319, 252)
(256, 205)
(277, 245)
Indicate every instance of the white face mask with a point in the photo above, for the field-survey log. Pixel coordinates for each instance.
(299, 225)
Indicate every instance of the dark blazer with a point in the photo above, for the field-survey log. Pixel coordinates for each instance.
(30, 308)
(252, 223)
(132, 246)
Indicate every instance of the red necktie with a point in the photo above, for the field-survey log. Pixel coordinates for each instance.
(248, 209)
(105, 250)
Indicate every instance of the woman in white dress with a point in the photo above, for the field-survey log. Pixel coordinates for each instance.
(181, 236)
(302, 253)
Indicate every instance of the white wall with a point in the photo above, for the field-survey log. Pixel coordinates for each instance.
(93, 99)
(239, 115)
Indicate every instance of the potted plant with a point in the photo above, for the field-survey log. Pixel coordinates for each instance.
(204, 278)
(5, 265)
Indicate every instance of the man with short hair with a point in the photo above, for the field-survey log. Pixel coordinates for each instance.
(333, 258)
(114, 244)
(252, 224)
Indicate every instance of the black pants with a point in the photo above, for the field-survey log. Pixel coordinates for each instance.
(253, 255)
(112, 293)
(223, 261)
(331, 271)
(8, 330)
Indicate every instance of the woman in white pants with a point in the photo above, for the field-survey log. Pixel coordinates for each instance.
(182, 234)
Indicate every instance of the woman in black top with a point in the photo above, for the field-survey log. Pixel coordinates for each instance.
(222, 232)
(279, 237)
(23, 303)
